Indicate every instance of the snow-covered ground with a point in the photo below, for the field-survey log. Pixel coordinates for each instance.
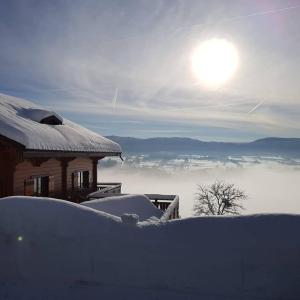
(52, 249)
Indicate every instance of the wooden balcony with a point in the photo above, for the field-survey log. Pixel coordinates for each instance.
(105, 189)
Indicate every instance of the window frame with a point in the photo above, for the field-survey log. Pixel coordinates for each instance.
(39, 185)
(82, 178)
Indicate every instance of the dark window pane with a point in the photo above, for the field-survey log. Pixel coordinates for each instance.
(86, 178)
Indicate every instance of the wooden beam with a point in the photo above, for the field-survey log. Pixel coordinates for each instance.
(95, 172)
(64, 162)
(37, 161)
(9, 158)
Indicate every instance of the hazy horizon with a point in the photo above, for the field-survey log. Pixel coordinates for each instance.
(204, 140)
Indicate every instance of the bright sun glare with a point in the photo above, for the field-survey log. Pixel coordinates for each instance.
(214, 62)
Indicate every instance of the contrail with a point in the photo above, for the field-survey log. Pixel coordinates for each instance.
(255, 107)
(114, 101)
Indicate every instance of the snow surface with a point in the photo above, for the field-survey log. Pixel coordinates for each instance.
(38, 115)
(127, 204)
(52, 249)
(19, 121)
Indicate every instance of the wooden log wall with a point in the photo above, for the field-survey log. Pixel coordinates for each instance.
(51, 167)
(27, 169)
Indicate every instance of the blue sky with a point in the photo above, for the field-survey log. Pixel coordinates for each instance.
(123, 67)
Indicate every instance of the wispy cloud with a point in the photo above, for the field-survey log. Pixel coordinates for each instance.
(87, 56)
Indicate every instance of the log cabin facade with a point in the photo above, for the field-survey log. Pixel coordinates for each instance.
(42, 154)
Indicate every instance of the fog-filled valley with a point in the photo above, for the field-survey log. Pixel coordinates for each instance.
(270, 182)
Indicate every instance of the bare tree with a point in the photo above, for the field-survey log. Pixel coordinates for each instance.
(219, 198)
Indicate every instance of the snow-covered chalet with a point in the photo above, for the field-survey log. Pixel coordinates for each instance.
(43, 154)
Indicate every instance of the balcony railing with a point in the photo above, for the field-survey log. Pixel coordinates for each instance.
(169, 204)
(105, 189)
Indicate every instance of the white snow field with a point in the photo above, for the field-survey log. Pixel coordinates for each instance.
(53, 249)
(140, 205)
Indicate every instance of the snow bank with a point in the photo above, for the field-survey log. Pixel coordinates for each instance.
(51, 249)
(19, 121)
(127, 204)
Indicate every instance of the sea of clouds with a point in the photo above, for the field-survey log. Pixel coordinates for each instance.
(271, 183)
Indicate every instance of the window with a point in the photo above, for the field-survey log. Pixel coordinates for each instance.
(39, 186)
(80, 180)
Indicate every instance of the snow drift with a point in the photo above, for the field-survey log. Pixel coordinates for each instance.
(52, 249)
(140, 205)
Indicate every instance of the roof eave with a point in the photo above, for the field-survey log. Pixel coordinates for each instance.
(11, 142)
(29, 153)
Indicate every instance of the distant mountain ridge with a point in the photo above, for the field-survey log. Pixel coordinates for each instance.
(269, 145)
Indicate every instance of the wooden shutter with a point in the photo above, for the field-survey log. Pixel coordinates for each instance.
(51, 185)
(29, 187)
(75, 180)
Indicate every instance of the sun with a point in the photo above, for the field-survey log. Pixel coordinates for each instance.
(214, 62)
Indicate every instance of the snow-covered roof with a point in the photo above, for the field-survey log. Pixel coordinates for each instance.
(126, 204)
(32, 126)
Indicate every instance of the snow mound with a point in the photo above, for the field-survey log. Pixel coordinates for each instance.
(127, 204)
(130, 219)
(33, 215)
(22, 121)
(52, 249)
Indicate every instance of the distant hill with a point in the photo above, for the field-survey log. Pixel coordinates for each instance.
(266, 146)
